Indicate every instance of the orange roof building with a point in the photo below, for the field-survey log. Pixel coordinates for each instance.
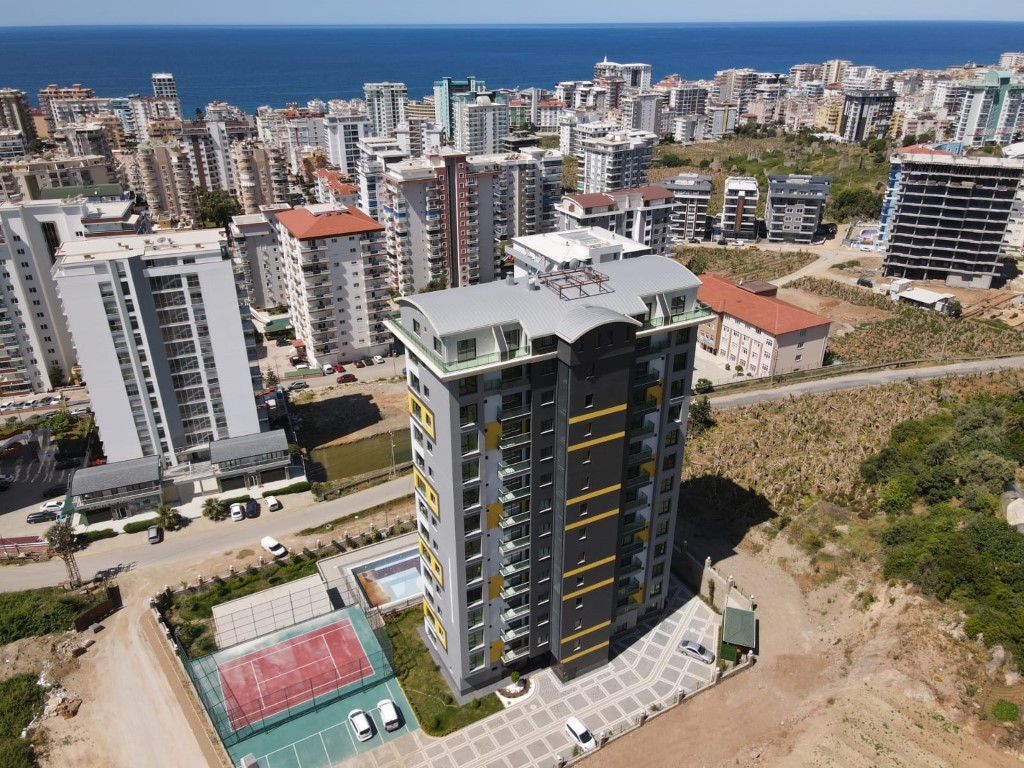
(759, 332)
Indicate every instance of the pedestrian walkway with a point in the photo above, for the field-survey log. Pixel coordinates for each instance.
(647, 669)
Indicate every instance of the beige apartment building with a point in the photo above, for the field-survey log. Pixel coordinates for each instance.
(756, 330)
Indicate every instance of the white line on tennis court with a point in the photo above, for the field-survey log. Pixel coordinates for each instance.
(296, 751)
(330, 654)
(293, 669)
(286, 646)
(257, 679)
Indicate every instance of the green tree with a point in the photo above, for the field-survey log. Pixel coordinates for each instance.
(270, 379)
(169, 518)
(698, 264)
(218, 206)
(60, 423)
(214, 509)
(987, 470)
(701, 418)
(703, 386)
(847, 203)
(56, 375)
(954, 308)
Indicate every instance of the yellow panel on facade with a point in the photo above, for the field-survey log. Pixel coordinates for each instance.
(425, 488)
(435, 564)
(492, 433)
(650, 467)
(423, 414)
(656, 391)
(494, 585)
(639, 596)
(442, 636)
(584, 652)
(592, 494)
(493, 514)
(497, 648)
(596, 414)
(644, 534)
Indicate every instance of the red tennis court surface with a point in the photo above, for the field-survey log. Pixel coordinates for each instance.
(271, 680)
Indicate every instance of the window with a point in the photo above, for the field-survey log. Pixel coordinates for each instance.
(588, 401)
(469, 442)
(674, 412)
(468, 386)
(467, 414)
(471, 524)
(683, 336)
(470, 497)
(581, 558)
(472, 548)
(665, 506)
(471, 470)
(578, 644)
(546, 479)
(416, 326)
(589, 429)
(466, 349)
(671, 438)
(679, 362)
(666, 484)
(668, 461)
(473, 639)
(547, 453)
(585, 484)
(659, 549)
(798, 357)
(677, 388)
(584, 508)
(474, 595)
(655, 590)
(586, 456)
(578, 624)
(474, 617)
(437, 346)
(583, 533)
(658, 569)
(579, 603)
(547, 425)
(548, 397)
(472, 572)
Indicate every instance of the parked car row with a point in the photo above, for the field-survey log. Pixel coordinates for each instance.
(43, 402)
(363, 725)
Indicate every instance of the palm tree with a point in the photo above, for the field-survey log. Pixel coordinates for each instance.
(213, 509)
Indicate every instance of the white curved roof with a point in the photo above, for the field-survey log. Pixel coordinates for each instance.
(582, 319)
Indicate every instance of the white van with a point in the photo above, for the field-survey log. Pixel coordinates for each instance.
(328, 370)
(388, 715)
(273, 504)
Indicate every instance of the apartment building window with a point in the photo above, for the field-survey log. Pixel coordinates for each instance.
(677, 388)
(467, 414)
(466, 349)
(578, 624)
(471, 523)
(668, 461)
(589, 429)
(474, 595)
(666, 484)
(798, 358)
(674, 412)
(584, 508)
(581, 557)
(475, 617)
(665, 506)
(656, 589)
(471, 470)
(473, 572)
(547, 425)
(672, 438)
(469, 442)
(659, 549)
(588, 401)
(579, 603)
(585, 484)
(467, 386)
(683, 336)
(658, 569)
(470, 497)
(547, 397)
(583, 533)
(679, 362)
(475, 638)
(472, 548)
(437, 346)
(547, 453)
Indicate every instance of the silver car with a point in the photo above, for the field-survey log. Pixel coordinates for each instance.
(697, 651)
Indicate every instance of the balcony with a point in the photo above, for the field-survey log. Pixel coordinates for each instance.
(516, 412)
(700, 312)
(514, 441)
(647, 405)
(647, 379)
(509, 635)
(517, 494)
(645, 428)
(505, 470)
(634, 565)
(512, 519)
(628, 587)
(511, 614)
(635, 525)
(638, 481)
(511, 569)
(639, 501)
(514, 590)
(639, 457)
(511, 545)
(632, 548)
(510, 382)
(512, 654)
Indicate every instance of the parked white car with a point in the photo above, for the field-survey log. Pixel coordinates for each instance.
(52, 506)
(237, 512)
(273, 504)
(388, 715)
(360, 724)
(579, 734)
(273, 546)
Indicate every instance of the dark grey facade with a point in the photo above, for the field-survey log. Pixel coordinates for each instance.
(795, 207)
(866, 114)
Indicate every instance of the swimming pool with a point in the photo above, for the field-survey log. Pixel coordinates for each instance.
(391, 579)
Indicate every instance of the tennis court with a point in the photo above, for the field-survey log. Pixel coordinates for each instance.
(271, 680)
(285, 697)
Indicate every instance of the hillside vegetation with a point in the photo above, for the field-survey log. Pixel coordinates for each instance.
(911, 333)
(742, 263)
(858, 173)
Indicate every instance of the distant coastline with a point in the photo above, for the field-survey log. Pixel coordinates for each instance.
(254, 65)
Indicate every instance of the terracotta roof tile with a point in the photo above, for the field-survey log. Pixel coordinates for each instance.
(304, 225)
(649, 192)
(768, 313)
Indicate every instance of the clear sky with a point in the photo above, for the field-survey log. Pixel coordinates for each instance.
(333, 12)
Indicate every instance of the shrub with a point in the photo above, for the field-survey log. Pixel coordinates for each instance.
(138, 526)
(1006, 711)
(703, 386)
(20, 700)
(293, 488)
(514, 677)
(243, 500)
(16, 753)
(87, 538)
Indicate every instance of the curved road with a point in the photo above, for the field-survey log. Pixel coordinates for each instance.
(203, 538)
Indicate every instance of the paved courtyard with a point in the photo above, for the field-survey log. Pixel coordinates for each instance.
(646, 669)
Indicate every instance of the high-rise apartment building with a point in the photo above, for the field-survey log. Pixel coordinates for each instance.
(172, 370)
(635, 76)
(51, 96)
(167, 182)
(207, 144)
(736, 85)
(1011, 60)
(616, 161)
(33, 331)
(30, 178)
(642, 111)
(374, 156)
(953, 218)
(739, 209)
(417, 136)
(343, 133)
(795, 206)
(165, 87)
(445, 91)
(548, 418)
(991, 110)
(692, 193)
(385, 104)
(526, 191)
(336, 278)
(259, 175)
(439, 214)
(258, 249)
(833, 71)
(643, 215)
(15, 113)
(480, 125)
(866, 114)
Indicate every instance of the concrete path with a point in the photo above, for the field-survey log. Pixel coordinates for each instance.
(647, 669)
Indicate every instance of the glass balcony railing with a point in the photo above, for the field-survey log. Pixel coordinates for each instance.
(634, 565)
(645, 428)
(699, 312)
(639, 457)
(509, 635)
(505, 469)
(511, 545)
(511, 569)
(511, 654)
(511, 614)
(637, 481)
(647, 379)
(514, 494)
(509, 591)
(513, 519)
(632, 548)
(639, 501)
(633, 526)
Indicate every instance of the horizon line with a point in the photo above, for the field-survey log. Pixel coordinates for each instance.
(725, 22)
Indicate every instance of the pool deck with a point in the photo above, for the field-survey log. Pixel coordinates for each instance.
(337, 571)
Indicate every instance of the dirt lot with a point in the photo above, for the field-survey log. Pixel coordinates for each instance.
(345, 413)
(845, 316)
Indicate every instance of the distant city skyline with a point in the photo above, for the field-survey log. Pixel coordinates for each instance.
(406, 12)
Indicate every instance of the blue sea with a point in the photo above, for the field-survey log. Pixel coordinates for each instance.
(250, 66)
